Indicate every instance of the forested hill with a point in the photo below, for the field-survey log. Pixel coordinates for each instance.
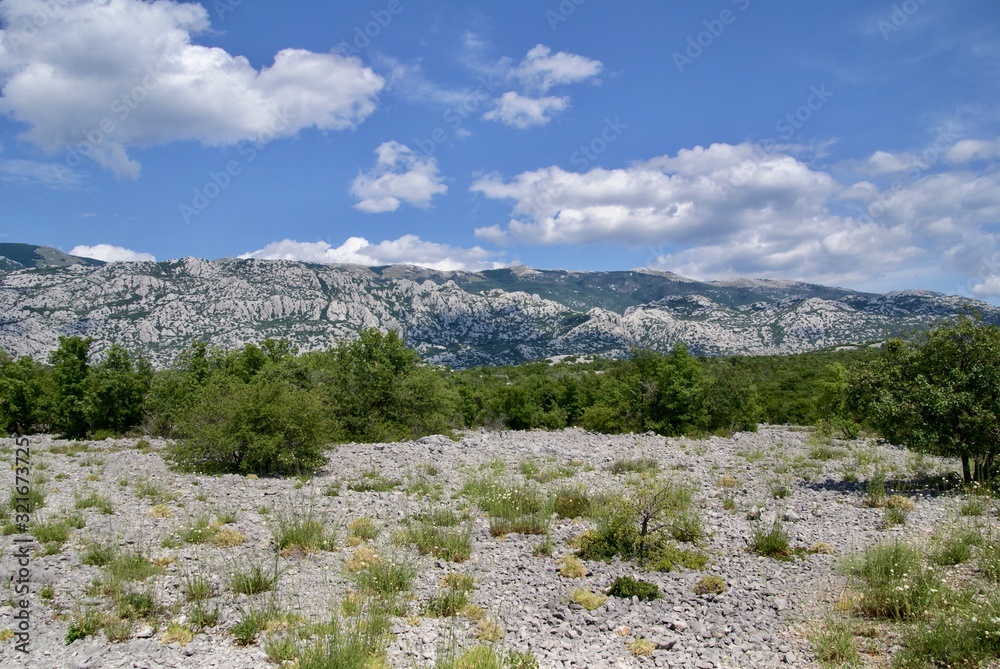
(461, 319)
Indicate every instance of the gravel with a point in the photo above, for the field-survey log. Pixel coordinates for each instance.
(761, 620)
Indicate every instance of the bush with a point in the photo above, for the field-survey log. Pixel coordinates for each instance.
(263, 428)
(710, 585)
(771, 542)
(896, 583)
(626, 587)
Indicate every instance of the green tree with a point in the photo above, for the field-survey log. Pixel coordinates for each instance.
(69, 369)
(731, 398)
(938, 393)
(267, 428)
(115, 390)
(22, 394)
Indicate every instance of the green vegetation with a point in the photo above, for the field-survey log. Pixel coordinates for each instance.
(627, 587)
(937, 393)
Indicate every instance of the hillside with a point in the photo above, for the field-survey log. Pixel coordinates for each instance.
(460, 319)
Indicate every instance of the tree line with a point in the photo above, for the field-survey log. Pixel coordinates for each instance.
(268, 409)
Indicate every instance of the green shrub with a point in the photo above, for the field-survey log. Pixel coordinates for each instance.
(710, 585)
(447, 603)
(626, 587)
(771, 542)
(571, 502)
(264, 428)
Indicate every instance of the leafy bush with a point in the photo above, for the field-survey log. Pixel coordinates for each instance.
(263, 428)
(626, 587)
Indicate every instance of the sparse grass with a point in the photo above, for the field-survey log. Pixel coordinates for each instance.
(227, 538)
(756, 455)
(303, 529)
(531, 470)
(728, 482)
(771, 542)
(362, 529)
(373, 481)
(779, 489)
(47, 591)
(485, 657)
(571, 502)
(453, 544)
(956, 547)
(252, 622)
(489, 630)
(98, 554)
(634, 466)
(894, 516)
(447, 603)
(178, 634)
(254, 577)
(710, 585)
(85, 624)
(834, 645)
(94, 501)
(641, 647)
(199, 530)
(894, 582)
(571, 566)
(161, 511)
(154, 492)
(54, 532)
(626, 587)
(387, 578)
(964, 637)
(875, 494)
(512, 508)
(132, 565)
(27, 503)
(362, 558)
(973, 506)
(197, 587)
(587, 599)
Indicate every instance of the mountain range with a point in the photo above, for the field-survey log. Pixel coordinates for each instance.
(460, 319)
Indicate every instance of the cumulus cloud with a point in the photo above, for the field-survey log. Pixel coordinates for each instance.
(737, 210)
(541, 69)
(400, 175)
(536, 75)
(109, 253)
(970, 150)
(522, 112)
(102, 76)
(407, 250)
(883, 162)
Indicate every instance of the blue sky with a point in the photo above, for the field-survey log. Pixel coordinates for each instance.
(847, 143)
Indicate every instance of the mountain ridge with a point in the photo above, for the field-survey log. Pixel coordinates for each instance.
(455, 318)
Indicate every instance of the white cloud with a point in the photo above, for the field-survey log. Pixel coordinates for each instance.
(109, 253)
(407, 250)
(883, 162)
(400, 175)
(539, 72)
(737, 210)
(34, 173)
(102, 76)
(971, 150)
(523, 112)
(541, 69)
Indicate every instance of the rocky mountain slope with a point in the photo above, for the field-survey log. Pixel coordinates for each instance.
(460, 319)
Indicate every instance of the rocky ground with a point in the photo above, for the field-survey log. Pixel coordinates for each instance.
(763, 619)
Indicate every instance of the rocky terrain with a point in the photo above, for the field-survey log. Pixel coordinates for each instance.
(461, 319)
(199, 529)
